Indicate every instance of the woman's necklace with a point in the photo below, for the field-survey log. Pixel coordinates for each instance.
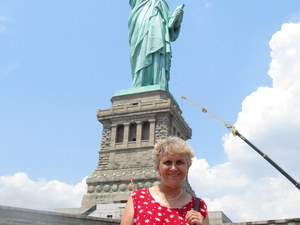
(172, 199)
(178, 196)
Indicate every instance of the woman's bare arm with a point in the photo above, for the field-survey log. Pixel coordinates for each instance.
(127, 217)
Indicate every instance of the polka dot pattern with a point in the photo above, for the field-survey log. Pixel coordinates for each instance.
(148, 211)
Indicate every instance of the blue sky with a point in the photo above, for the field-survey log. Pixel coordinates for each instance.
(60, 61)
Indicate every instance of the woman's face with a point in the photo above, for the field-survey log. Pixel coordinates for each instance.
(173, 169)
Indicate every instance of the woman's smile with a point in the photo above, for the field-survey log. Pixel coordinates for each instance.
(173, 169)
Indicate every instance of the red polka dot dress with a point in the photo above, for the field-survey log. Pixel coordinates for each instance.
(148, 211)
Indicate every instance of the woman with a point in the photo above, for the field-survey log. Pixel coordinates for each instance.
(167, 203)
(151, 29)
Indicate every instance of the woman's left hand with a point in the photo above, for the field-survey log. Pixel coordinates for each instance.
(194, 218)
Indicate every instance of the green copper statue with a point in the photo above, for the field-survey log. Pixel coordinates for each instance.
(151, 29)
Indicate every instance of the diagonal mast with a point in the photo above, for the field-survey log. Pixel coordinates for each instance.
(235, 132)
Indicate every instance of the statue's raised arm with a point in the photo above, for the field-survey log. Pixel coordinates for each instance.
(151, 29)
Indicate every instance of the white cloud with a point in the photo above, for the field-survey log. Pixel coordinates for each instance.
(20, 191)
(247, 187)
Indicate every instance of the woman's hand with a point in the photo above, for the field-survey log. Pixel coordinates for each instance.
(194, 218)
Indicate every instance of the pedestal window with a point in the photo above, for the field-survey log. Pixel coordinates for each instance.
(120, 133)
(145, 130)
(132, 132)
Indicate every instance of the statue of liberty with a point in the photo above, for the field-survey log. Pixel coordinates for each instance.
(151, 29)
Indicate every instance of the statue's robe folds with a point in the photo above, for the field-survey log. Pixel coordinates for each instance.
(151, 29)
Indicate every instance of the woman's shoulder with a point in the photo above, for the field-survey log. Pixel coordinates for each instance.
(140, 192)
(201, 201)
(202, 207)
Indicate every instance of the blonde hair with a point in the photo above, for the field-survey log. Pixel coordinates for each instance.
(172, 145)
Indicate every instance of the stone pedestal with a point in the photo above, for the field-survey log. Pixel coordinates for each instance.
(130, 129)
